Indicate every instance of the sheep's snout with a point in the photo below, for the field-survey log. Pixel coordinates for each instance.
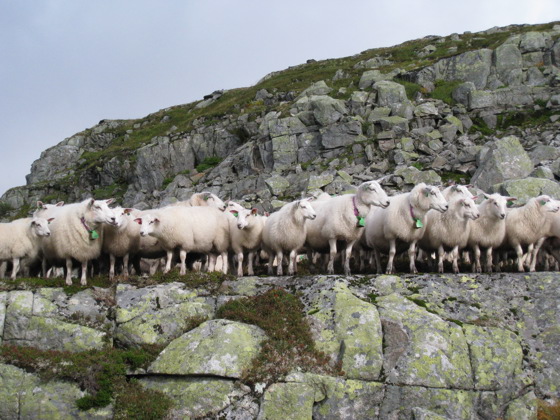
(385, 204)
(502, 216)
(313, 216)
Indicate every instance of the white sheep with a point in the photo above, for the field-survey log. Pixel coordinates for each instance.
(121, 240)
(457, 191)
(20, 239)
(285, 231)
(202, 199)
(246, 230)
(449, 231)
(77, 233)
(489, 230)
(342, 218)
(190, 229)
(529, 225)
(400, 226)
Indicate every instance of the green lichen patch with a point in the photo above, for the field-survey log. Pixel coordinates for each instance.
(287, 401)
(193, 279)
(289, 346)
(101, 373)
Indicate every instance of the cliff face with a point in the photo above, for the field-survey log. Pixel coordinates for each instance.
(428, 346)
(427, 110)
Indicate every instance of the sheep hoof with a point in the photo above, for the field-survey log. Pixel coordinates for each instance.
(83, 283)
(68, 282)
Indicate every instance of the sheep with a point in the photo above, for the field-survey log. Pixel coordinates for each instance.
(342, 219)
(246, 235)
(285, 231)
(44, 209)
(121, 240)
(489, 230)
(77, 234)
(402, 223)
(20, 239)
(454, 191)
(202, 199)
(449, 231)
(190, 229)
(529, 225)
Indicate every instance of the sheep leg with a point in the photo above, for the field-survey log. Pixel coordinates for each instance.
(292, 265)
(412, 257)
(240, 264)
(279, 257)
(377, 261)
(125, 266)
(15, 268)
(167, 268)
(392, 252)
(69, 271)
(455, 254)
(519, 252)
(332, 255)
(212, 262)
(348, 256)
(111, 267)
(477, 267)
(83, 279)
(489, 260)
(183, 259)
(441, 253)
(225, 262)
(270, 263)
(3, 267)
(250, 258)
(536, 250)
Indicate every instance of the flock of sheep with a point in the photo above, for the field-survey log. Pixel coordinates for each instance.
(425, 222)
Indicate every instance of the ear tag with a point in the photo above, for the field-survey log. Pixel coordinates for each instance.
(361, 221)
(509, 203)
(427, 194)
(542, 202)
(94, 234)
(419, 224)
(235, 214)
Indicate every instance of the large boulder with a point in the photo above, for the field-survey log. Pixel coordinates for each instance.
(471, 66)
(216, 348)
(389, 93)
(524, 189)
(506, 159)
(508, 63)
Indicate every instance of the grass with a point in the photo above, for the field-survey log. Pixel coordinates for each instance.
(101, 373)
(289, 346)
(443, 90)
(35, 283)
(193, 279)
(208, 163)
(548, 410)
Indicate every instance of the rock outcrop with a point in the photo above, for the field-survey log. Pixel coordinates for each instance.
(427, 346)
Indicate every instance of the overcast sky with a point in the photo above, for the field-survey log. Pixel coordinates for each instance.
(67, 64)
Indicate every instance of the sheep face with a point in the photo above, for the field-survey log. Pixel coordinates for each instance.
(469, 208)
(214, 201)
(372, 194)
(243, 217)
(435, 199)
(147, 224)
(41, 226)
(547, 204)
(498, 205)
(101, 213)
(306, 209)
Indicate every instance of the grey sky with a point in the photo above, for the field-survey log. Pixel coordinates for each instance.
(66, 64)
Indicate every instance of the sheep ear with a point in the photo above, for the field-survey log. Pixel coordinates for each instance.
(91, 202)
(511, 199)
(266, 213)
(474, 197)
(156, 220)
(50, 220)
(59, 204)
(127, 211)
(33, 223)
(40, 205)
(486, 196)
(138, 220)
(254, 212)
(109, 201)
(206, 195)
(427, 191)
(455, 188)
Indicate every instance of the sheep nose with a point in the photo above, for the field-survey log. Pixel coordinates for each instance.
(48, 234)
(502, 216)
(387, 203)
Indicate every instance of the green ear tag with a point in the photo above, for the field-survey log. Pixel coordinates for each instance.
(419, 223)
(94, 234)
(509, 203)
(361, 221)
(235, 214)
(543, 202)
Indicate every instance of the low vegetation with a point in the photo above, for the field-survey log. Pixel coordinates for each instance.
(290, 345)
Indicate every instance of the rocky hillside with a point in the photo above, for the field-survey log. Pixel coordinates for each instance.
(410, 347)
(426, 110)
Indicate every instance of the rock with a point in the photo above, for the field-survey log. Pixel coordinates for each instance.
(196, 397)
(542, 172)
(298, 397)
(284, 151)
(25, 396)
(524, 189)
(426, 109)
(319, 181)
(543, 153)
(471, 66)
(389, 93)
(157, 314)
(370, 77)
(216, 348)
(461, 93)
(327, 110)
(524, 408)
(277, 184)
(532, 41)
(505, 160)
(436, 356)
(349, 330)
(285, 127)
(316, 89)
(481, 99)
(341, 135)
(508, 63)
